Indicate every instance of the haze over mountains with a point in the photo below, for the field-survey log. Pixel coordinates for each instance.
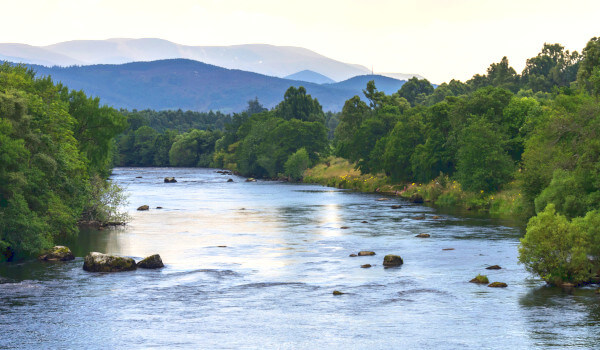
(192, 85)
(278, 61)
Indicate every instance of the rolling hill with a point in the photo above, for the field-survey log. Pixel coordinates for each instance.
(192, 85)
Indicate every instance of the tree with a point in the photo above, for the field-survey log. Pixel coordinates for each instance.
(556, 249)
(482, 162)
(416, 90)
(297, 104)
(588, 76)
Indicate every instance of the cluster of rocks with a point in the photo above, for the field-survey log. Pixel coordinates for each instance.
(99, 262)
(483, 279)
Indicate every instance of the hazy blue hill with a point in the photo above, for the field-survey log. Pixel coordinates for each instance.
(192, 85)
(311, 77)
(358, 83)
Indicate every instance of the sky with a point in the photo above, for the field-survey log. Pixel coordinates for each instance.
(438, 39)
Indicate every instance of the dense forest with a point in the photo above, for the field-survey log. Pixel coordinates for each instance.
(55, 149)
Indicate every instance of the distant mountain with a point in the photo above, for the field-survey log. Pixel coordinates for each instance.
(192, 85)
(279, 61)
(385, 84)
(311, 77)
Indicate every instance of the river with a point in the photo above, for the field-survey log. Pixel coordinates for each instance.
(253, 265)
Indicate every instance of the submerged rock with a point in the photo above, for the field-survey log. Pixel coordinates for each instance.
(364, 222)
(57, 253)
(392, 260)
(344, 227)
(498, 285)
(143, 207)
(365, 253)
(447, 248)
(151, 262)
(423, 235)
(352, 255)
(337, 292)
(250, 179)
(396, 206)
(436, 217)
(419, 218)
(170, 180)
(493, 267)
(229, 180)
(365, 266)
(382, 199)
(98, 262)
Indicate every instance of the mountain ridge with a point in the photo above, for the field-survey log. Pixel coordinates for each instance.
(188, 84)
(273, 60)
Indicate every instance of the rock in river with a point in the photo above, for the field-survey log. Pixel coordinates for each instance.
(498, 285)
(98, 262)
(493, 267)
(151, 262)
(392, 260)
(143, 207)
(57, 253)
(423, 235)
(365, 253)
(170, 180)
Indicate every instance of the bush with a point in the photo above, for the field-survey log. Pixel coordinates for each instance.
(296, 164)
(556, 249)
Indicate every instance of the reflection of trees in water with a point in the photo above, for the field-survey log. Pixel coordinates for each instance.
(91, 239)
(555, 318)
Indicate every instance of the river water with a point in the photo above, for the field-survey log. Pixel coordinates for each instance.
(253, 265)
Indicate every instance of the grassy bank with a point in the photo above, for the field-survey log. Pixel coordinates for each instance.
(441, 192)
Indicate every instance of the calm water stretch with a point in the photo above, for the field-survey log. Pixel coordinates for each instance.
(271, 285)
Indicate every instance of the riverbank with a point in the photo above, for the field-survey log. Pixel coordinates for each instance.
(440, 192)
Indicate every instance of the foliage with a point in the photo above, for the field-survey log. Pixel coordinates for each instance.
(52, 142)
(296, 164)
(555, 248)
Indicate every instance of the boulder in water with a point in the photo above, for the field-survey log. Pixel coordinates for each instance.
(391, 260)
(250, 179)
(365, 253)
(170, 180)
(396, 206)
(498, 285)
(337, 292)
(229, 180)
(151, 262)
(143, 207)
(57, 253)
(98, 262)
(423, 235)
(493, 267)
(365, 266)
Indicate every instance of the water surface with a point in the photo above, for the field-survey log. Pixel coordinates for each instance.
(253, 265)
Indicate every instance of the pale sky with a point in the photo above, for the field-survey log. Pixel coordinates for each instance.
(439, 39)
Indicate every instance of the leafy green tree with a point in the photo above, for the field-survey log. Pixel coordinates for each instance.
(193, 149)
(297, 104)
(552, 67)
(588, 76)
(416, 90)
(482, 162)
